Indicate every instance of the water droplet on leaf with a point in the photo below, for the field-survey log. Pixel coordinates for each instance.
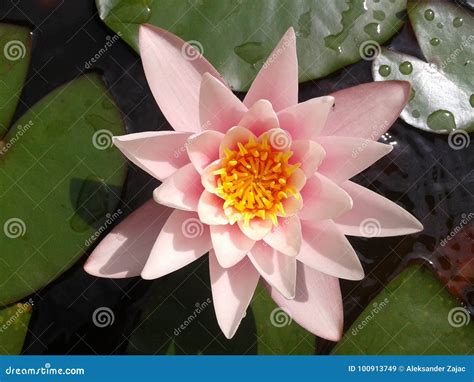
(441, 120)
(406, 68)
(429, 14)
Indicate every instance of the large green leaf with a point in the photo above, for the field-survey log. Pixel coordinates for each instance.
(277, 333)
(15, 52)
(236, 36)
(13, 327)
(59, 178)
(443, 88)
(415, 314)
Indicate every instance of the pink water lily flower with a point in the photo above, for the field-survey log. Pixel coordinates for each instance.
(262, 185)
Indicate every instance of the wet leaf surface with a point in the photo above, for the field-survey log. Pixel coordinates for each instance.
(443, 87)
(236, 36)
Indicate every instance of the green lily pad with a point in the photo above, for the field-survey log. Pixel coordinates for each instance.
(236, 36)
(443, 88)
(415, 315)
(14, 322)
(15, 52)
(59, 178)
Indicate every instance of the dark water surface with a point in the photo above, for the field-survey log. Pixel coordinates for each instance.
(423, 174)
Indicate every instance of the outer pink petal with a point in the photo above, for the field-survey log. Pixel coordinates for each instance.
(260, 118)
(230, 244)
(367, 110)
(160, 153)
(257, 228)
(181, 190)
(346, 157)
(309, 153)
(373, 215)
(277, 80)
(125, 250)
(182, 240)
(317, 306)
(210, 209)
(203, 148)
(306, 119)
(277, 269)
(286, 238)
(232, 291)
(174, 71)
(219, 108)
(323, 199)
(326, 249)
(237, 134)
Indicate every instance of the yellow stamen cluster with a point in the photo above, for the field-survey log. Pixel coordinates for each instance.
(253, 181)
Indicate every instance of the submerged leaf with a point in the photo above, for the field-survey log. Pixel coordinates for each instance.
(13, 327)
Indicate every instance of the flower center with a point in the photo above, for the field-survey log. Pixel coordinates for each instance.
(253, 181)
